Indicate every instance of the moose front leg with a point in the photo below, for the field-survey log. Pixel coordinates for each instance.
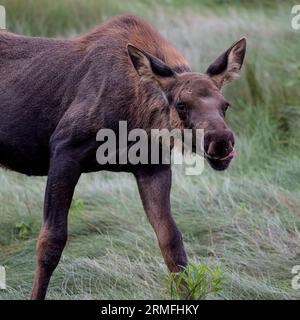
(154, 185)
(63, 176)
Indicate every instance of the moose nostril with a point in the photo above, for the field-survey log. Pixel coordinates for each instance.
(210, 149)
(219, 144)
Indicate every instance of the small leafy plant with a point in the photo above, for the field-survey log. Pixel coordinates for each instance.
(195, 282)
(23, 230)
(77, 207)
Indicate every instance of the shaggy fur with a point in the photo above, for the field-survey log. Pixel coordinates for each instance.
(55, 94)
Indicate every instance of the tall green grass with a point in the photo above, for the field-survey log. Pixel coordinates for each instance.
(245, 220)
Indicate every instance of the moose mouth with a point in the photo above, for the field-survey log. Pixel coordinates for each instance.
(220, 164)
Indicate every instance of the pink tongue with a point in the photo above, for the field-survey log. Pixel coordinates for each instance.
(230, 155)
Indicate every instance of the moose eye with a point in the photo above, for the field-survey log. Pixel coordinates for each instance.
(180, 106)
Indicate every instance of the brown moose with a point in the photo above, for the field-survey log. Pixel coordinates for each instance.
(55, 95)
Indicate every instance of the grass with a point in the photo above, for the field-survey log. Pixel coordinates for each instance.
(245, 220)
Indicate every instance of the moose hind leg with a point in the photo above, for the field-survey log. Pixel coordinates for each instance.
(63, 176)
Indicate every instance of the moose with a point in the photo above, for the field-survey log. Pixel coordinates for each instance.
(55, 95)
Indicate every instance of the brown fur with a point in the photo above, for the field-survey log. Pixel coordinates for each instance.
(55, 94)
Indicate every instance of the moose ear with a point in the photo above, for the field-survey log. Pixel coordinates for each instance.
(148, 65)
(228, 65)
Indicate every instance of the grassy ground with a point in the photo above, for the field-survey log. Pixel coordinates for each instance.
(246, 219)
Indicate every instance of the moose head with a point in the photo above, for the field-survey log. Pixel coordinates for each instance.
(195, 99)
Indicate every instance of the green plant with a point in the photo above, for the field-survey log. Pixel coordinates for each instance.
(23, 230)
(248, 216)
(77, 207)
(195, 282)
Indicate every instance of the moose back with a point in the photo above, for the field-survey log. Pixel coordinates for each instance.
(56, 94)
